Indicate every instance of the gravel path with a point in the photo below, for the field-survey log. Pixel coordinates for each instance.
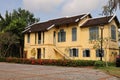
(37, 72)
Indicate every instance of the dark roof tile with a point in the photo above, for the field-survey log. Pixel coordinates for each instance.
(57, 22)
(97, 21)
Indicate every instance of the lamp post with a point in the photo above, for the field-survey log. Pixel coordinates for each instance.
(101, 50)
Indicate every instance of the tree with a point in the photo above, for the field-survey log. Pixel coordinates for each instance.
(114, 4)
(6, 42)
(96, 46)
(111, 7)
(16, 22)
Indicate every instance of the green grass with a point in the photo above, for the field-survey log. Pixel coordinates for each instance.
(115, 71)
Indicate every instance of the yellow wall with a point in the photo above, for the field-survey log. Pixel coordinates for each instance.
(54, 50)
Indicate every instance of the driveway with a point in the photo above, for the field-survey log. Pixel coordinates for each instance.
(9, 71)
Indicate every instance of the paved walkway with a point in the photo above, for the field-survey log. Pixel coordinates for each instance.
(36, 72)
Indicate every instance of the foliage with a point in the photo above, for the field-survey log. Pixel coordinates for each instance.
(15, 23)
(6, 41)
(72, 63)
(111, 7)
(115, 71)
(99, 64)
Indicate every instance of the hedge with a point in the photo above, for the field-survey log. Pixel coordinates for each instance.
(71, 63)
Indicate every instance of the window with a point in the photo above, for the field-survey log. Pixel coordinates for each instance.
(74, 34)
(93, 33)
(113, 32)
(98, 52)
(74, 52)
(39, 37)
(61, 36)
(86, 53)
(28, 38)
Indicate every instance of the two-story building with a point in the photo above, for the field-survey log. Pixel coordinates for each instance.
(73, 38)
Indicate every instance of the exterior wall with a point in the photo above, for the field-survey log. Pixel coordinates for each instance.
(58, 50)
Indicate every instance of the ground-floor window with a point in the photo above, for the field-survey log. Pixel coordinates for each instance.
(98, 53)
(74, 52)
(86, 53)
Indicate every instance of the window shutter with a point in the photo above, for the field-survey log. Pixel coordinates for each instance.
(76, 52)
(64, 36)
(84, 53)
(71, 53)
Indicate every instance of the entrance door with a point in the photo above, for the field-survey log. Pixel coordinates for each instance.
(38, 53)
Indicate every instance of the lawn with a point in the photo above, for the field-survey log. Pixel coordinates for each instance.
(115, 71)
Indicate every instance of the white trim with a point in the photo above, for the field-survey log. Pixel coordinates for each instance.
(85, 16)
(112, 18)
(26, 30)
(50, 27)
(77, 20)
(30, 25)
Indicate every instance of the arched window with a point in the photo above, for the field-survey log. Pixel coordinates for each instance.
(74, 52)
(113, 32)
(86, 53)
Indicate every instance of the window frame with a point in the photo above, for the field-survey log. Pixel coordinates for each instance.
(85, 54)
(39, 37)
(61, 36)
(113, 32)
(72, 54)
(74, 34)
(92, 31)
(98, 53)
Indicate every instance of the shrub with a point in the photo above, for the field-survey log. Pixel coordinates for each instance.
(71, 63)
(99, 64)
(2, 59)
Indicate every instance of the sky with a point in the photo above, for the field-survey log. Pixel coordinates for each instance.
(52, 9)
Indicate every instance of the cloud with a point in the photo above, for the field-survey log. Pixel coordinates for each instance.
(81, 6)
(62, 7)
(43, 6)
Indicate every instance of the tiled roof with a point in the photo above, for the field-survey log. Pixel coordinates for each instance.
(99, 21)
(55, 22)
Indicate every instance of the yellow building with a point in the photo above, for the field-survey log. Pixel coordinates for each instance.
(77, 37)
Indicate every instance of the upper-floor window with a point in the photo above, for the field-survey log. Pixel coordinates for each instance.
(28, 38)
(93, 33)
(74, 52)
(113, 32)
(86, 53)
(39, 37)
(62, 36)
(74, 34)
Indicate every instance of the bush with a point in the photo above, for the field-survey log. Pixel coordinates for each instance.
(99, 64)
(71, 63)
(2, 59)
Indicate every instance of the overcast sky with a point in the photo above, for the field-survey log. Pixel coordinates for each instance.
(50, 9)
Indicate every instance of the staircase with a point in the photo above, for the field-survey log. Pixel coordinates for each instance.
(61, 53)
